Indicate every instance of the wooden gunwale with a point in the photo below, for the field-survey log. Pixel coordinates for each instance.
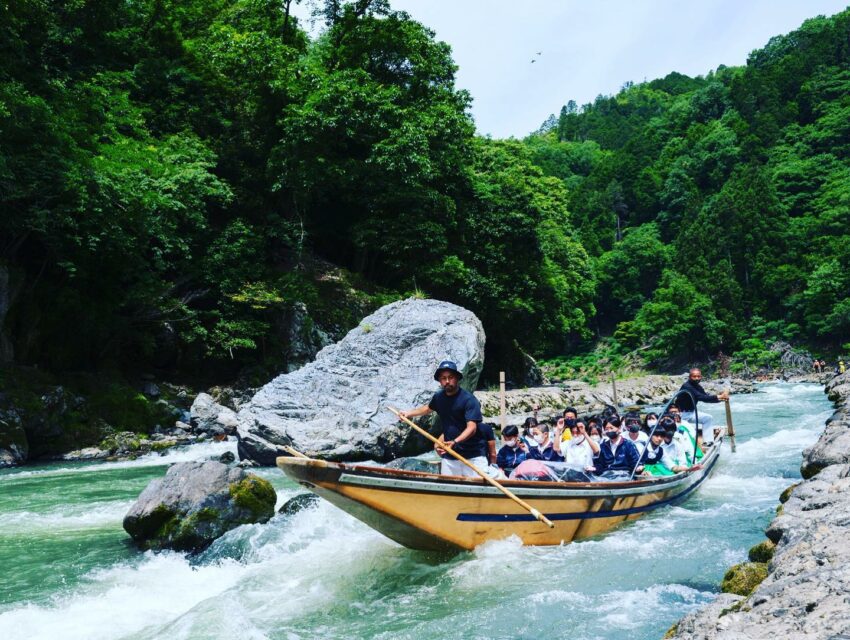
(430, 511)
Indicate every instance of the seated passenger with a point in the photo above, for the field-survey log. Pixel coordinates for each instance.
(513, 452)
(633, 432)
(651, 460)
(685, 436)
(594, 430)
(615, 452)
(544, 448)
(674, 458)
(579, 450)
(649, 422)
(525, 433)
(570, 419)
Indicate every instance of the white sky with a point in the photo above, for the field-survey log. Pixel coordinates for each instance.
(592, 47)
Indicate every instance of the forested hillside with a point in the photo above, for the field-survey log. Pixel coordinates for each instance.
(171, 173)
(177, 176)
(717, 209)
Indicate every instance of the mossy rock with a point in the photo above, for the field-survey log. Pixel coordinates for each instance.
(742, 579)
(786, 495)
(762, 552)
(255, 495)
(163, 445)
(810, 470)
(672, 631)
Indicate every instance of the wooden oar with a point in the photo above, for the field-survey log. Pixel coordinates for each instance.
(730, 428)
(456, 455)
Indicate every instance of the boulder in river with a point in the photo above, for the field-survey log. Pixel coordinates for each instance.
(336, 407)
(195, 503)
(206, 415)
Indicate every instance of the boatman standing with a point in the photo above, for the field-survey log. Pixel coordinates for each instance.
(460, 415)
(686, 404)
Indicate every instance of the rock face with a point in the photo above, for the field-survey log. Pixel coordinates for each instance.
(335, 407)
(195, 503)
(13, 438)
(805, 592)
(206, 415)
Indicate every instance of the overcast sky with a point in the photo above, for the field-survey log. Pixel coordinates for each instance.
(592, 47)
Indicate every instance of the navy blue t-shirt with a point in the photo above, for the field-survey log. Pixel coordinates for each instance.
(455, 411)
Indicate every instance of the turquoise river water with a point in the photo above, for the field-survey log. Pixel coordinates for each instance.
(69, 572)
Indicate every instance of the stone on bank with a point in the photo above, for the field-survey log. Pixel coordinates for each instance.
(336, 406)
(195, 503)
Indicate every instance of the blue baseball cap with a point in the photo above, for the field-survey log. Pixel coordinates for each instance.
(447, 365)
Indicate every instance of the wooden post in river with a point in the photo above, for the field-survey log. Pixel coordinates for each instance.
(614, 389)
(730, 429)
(502, 412)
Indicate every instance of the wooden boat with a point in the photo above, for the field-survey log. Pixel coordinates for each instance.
(435, 512)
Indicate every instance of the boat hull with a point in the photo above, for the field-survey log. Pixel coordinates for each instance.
(434, 512)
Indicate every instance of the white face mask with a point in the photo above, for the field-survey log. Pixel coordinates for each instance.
(651, 423)
(578, 439)
(596, 439)
(539, 438)
(511, 443)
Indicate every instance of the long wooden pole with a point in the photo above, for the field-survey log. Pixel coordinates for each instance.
(614, 389)
(456, 455)
(730, 428)
(295, 453)
(502, 409)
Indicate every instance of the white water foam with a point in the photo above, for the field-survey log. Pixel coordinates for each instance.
(321, 573)
(65, 518)
(187, 453)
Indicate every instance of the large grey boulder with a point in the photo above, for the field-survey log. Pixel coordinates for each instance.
(335, 407)
(206, 415)
(195, 503)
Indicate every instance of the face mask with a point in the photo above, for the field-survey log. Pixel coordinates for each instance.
(539, 438)
(651, 423)
(511, 443)
(578, 439)
(634, 428)
(612, 435)
(570, 422)
(596, 439)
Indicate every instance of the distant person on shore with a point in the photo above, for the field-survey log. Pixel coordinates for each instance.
(686, 403)
(513, 451)
(841, 367)
(460, 415)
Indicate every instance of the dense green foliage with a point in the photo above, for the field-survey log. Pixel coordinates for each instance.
(717, 209)
(171, 174)
(175, 176)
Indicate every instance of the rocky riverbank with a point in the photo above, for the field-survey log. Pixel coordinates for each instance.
(587, 398)
(805, 561)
